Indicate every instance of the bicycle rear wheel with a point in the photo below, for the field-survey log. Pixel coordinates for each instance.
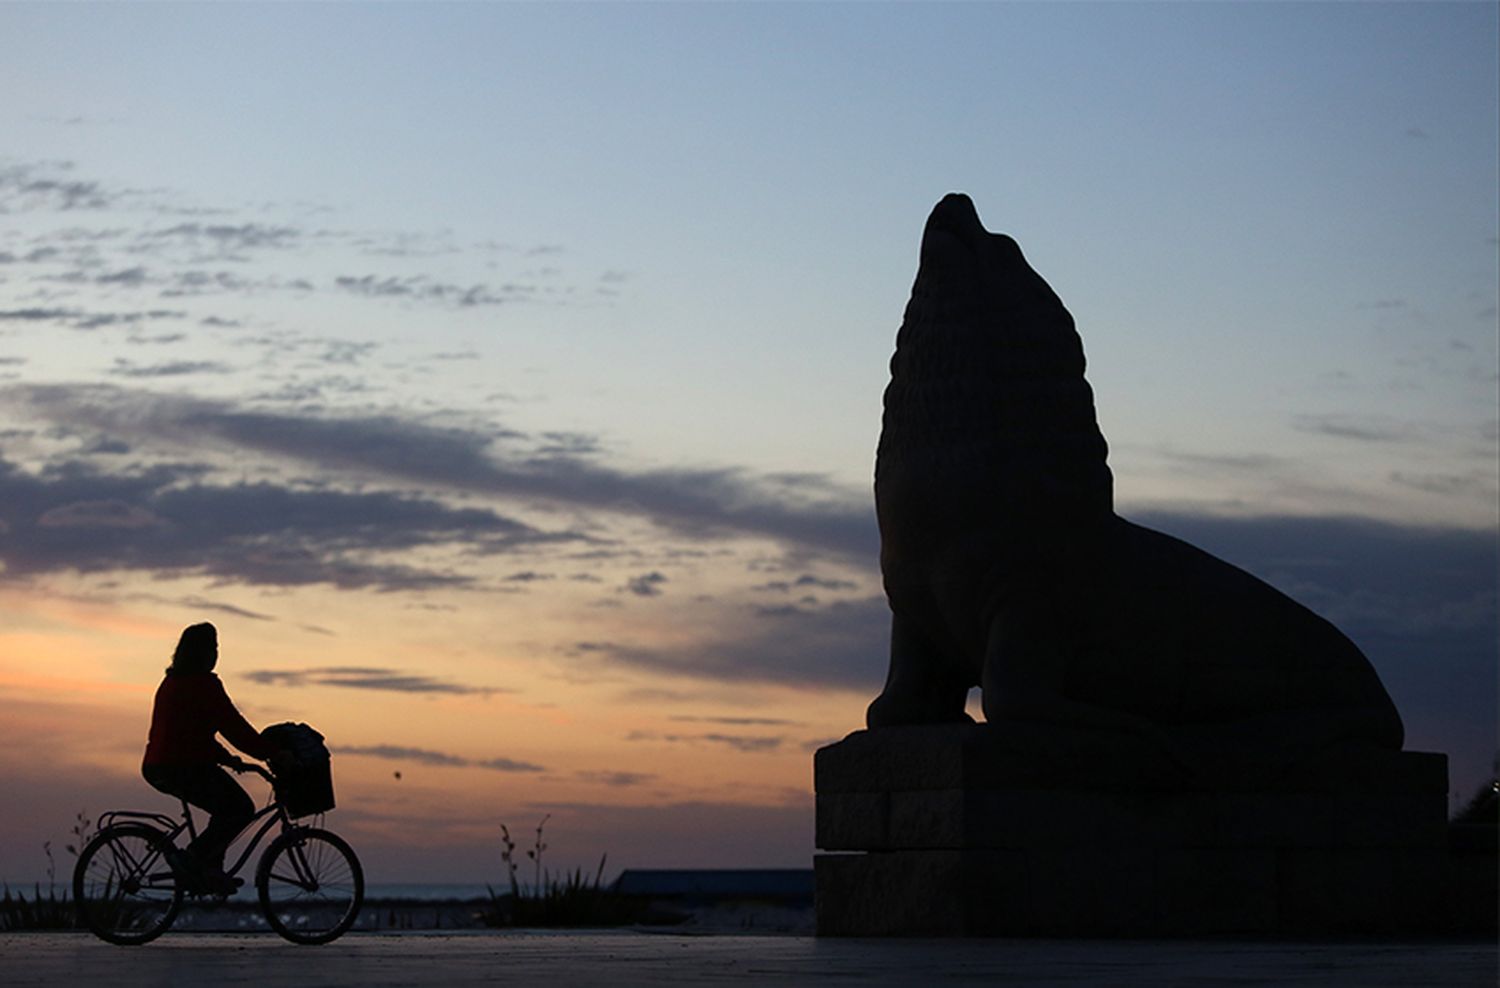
(123, 887)
(311, 885)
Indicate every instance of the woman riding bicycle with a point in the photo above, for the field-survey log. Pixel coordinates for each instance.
(182, 756)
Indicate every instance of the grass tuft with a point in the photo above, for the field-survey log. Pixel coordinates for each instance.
(41, 912)
(50, 911)
(572, 899)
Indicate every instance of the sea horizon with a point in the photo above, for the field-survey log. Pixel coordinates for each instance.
(420, 891)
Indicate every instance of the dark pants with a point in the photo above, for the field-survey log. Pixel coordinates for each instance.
(210, 788)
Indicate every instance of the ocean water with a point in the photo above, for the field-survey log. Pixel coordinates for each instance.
(420, 891)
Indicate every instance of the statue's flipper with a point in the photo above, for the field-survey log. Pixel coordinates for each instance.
(921, 687)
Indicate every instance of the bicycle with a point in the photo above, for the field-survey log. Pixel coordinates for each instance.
(309, 881)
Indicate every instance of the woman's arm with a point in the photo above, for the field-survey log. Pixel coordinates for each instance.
(237, 730)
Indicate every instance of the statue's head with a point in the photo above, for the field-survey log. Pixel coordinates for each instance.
(987, 401)
(969, 270)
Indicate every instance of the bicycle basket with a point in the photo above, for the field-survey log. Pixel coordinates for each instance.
(304, 776)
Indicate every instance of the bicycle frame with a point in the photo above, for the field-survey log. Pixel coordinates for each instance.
(272, 813)
(130, 879)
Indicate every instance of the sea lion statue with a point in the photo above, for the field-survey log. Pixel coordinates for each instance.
(1007, 568)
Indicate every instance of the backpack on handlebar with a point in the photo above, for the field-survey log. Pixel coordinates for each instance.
(304, 777)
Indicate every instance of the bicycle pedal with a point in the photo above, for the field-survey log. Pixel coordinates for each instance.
(211, 886)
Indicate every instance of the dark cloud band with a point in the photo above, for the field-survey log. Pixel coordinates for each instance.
(439, 759)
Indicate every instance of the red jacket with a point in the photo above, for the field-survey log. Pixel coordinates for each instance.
(189, 710)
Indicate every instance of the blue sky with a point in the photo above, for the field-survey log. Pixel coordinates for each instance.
(1291, 196)
(513, 306)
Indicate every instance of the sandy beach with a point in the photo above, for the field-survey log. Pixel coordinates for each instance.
(368, 960)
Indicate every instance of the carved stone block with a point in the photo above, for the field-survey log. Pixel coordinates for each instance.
(981, 831)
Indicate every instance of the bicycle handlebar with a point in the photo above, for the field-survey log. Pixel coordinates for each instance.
(240, 765)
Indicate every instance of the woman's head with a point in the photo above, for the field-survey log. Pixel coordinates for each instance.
(197, 649)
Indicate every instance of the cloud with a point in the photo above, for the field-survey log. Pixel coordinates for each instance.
(528, 576)
(82, 319)
(841, 646)
(1477, 482)
(646, 585)
(1213, 463)
(440, 759)
(165, 520)
(365, 678)
(1418, 571)
(186, 284)
(805, 582)
(420, 288)
(192, 602)
(1411, 596)
(96, 515)
(745, 744)
(735, 721)
(506, 765)
(616, 779)
(403, 245)
(201, 250)
(203, 604)
(222, 238)
(568, 444)
(128, 277)
(49, 186)
(174, 368)
(38, 314)
(104, 446)
(1365, 428)
(805, 513)
(103, 319)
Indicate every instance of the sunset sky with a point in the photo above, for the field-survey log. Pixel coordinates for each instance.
(504, 380)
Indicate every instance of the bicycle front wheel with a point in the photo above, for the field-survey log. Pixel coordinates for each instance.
(123, 886)
(311, 885)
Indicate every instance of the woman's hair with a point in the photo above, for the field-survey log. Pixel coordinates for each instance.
(196, 649)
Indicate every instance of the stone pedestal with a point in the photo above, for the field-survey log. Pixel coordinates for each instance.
(1009, 830)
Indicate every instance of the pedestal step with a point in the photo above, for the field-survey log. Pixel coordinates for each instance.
(1019, 830)
(1132, 892)
(1030, 818)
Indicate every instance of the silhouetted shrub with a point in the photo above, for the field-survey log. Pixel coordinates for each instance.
(51, 911)
(574, 899)
(40, 912)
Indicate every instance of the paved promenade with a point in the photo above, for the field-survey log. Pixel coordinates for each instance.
(562, 960)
